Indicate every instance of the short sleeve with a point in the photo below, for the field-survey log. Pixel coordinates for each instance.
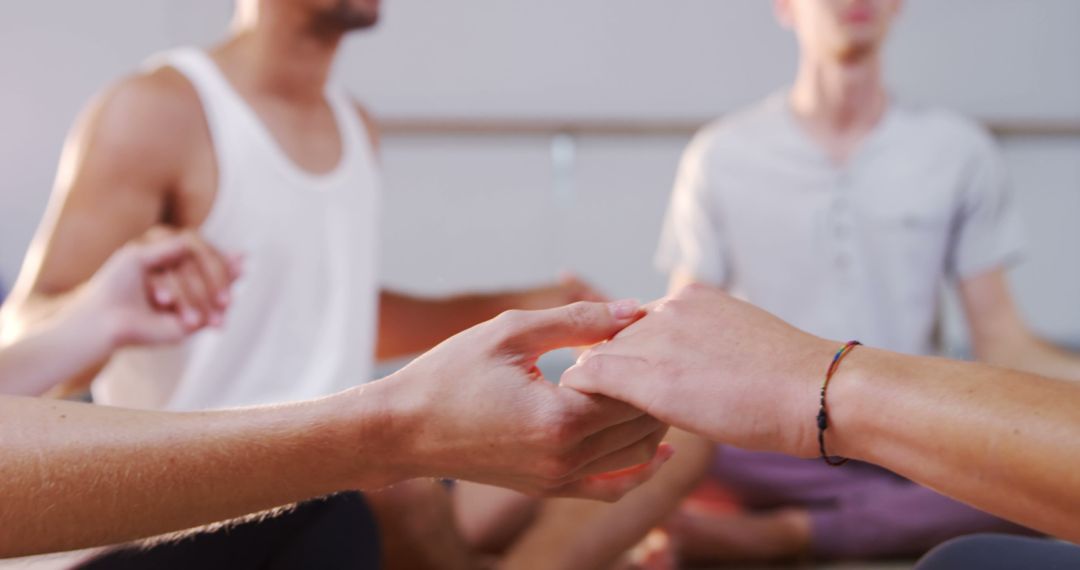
(988, 232)
(691, 238)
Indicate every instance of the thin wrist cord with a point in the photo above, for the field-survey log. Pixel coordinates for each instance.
(823, 415)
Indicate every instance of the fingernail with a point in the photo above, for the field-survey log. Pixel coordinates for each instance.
(223, 298)
(216, 320)
(625, 309)
(162, 296)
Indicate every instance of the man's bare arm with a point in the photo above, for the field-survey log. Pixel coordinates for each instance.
(118, 169)
(75, 475)
(410, 325)
(1001, 337)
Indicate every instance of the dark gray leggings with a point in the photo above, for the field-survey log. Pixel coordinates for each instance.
(1002, 552)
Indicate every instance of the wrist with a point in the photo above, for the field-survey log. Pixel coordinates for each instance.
(847, 402)
(96, 329)
(373, 429)
(804, 397)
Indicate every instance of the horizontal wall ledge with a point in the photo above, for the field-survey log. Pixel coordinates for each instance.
(449, 126)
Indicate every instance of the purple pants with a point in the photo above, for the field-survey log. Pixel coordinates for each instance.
(858, 510)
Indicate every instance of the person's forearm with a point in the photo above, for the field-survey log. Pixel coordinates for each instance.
(1029, 353)
(54, 352)
(411, 325)
(74, 475)
(22, 312)
(999, 440)
(68, 349)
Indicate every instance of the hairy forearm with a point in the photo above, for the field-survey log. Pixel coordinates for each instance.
(574, 534)
(74, 475)
(999, 440)
(411, 325)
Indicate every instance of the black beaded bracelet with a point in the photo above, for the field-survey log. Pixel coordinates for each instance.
(823, 415)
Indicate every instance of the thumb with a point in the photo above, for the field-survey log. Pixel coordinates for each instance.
(578, 324)
(617, 377)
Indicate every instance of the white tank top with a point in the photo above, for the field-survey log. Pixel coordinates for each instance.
(303, 319)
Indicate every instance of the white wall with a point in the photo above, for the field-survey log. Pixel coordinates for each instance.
(478, 212)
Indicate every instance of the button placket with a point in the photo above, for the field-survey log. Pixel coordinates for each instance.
(841, 222)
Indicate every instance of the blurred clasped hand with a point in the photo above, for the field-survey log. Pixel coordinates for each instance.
(161, 288)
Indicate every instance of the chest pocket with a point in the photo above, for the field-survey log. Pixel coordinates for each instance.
(914, 228)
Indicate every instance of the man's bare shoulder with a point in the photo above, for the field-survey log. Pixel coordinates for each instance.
(154, 115)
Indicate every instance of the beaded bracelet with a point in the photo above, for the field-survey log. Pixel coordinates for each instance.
(823, 416)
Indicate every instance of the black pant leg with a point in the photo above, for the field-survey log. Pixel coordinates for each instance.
(334, 532)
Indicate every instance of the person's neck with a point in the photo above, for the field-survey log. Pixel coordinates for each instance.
(839, 97)
(280, 56)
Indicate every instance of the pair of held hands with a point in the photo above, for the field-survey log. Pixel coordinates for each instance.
(477, 408)
(699, 360)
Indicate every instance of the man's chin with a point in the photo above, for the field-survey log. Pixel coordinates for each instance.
(356, 21)
(346, 19)
(857, 50)
(363, 21)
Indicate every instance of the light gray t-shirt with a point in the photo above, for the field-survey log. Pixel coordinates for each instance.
(853, 252)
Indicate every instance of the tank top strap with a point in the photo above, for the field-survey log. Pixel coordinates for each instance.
(351, 126)
(221, 104)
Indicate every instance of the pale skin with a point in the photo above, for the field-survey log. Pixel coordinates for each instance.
(1002, 441)
(475, 408)
(838, 97)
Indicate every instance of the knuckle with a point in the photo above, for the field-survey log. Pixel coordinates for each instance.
(553, 470)
(594, 365)
(580, 314)
(509, 320)
(693, 290)
(676, 305)
(557, 432)
(566, 430)
(565, 481)
(669, 370)
(506, 326)
(645, 452)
